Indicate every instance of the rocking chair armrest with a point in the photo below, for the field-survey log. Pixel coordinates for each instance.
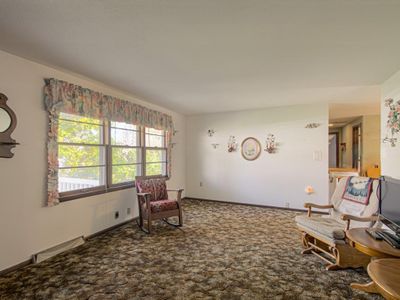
(179, 193)
(311, 205)
(174, 190)
(348, 218)
(143, 194)
(145, 197)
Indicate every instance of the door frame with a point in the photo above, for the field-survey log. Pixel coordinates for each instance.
(337, 147)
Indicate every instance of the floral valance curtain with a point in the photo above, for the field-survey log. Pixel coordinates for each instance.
(61, 96)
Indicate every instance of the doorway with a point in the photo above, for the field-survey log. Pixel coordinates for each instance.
(356, 147)
(334, 150)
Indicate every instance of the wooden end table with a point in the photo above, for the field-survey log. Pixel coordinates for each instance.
(384, 271)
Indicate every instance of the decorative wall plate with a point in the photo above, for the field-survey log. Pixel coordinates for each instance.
(251, 148)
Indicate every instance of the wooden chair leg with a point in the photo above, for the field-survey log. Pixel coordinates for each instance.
(140, 214)
(180, 217)
(149, 223)
(140, 217)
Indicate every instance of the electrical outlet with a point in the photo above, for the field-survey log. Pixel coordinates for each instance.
(116, 215)
(201, 183)
(128, 211)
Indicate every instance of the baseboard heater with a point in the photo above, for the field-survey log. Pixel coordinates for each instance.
(43, 255)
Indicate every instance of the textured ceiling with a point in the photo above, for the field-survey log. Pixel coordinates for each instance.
(214, 55)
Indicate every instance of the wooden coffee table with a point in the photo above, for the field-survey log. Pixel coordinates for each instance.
(362, 241)
(385, 275)
(384, 272)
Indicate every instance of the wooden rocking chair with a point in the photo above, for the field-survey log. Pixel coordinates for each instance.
(154, 204)
(324, 235)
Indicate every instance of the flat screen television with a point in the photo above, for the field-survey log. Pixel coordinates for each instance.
(390, 203)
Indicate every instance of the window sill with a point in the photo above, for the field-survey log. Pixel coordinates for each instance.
(96, 192)
(85, 194)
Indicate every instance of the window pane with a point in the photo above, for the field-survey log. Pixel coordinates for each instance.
(124, 155)
(74, 156)
(72, 132)
(156, 155)
(127, 173)
(154, 140)
(80, 118)
(154, 131)
(124, 137)
(156, 169)
(76, 179)
(123, 125)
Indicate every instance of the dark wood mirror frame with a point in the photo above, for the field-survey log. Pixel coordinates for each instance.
(6, 142)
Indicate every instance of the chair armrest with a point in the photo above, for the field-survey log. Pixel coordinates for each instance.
(143, 194)
(145, 197)
(179, 193)
(348, 218)
(310, 205)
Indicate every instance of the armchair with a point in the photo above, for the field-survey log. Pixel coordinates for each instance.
(325, 235)
(154, 203)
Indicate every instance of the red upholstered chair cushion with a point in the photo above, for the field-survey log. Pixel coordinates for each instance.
(146, 186)
(160, 188)
(163, 205)
(156, 187)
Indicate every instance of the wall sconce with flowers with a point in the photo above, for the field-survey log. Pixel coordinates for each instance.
(210, 133)
(312, 125)
(270, 145)
(232, 144)
(172, 142)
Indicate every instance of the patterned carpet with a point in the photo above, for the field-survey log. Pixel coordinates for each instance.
(224, 251)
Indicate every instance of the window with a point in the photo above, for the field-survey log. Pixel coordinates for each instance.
(97, 156)
(156, 152)
(81, 153)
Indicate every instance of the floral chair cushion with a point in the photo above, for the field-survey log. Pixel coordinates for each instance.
(156, 187)
(146, 186)
(160, 188)
(163, 205)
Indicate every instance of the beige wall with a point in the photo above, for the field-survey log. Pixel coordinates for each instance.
(27, 226)
(371, 147)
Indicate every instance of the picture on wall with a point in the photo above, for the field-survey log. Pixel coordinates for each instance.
(251, 148)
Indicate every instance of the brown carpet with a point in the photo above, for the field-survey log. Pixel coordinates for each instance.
(224, 251)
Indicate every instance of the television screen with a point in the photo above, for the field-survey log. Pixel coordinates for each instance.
(390, 200)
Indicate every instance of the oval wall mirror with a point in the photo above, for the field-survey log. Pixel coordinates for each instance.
(5, 120)
(8, 122)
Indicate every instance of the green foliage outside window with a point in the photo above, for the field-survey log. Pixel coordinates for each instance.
(90, 132)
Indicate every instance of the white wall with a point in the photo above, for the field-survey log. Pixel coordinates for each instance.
(272, 179)
(26, 225)
(390, 156)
